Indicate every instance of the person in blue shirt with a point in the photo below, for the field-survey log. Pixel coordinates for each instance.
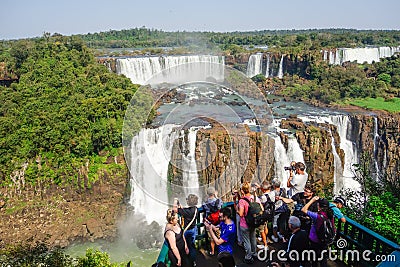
(337, 204)
(227, 229)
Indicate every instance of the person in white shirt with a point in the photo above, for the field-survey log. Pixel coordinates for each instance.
(297, 179)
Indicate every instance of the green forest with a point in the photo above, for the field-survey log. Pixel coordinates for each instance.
(312, 39)
(63, 108)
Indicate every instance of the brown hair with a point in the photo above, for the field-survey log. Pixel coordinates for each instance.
(192, 200)
(246, 187)
(171, 214)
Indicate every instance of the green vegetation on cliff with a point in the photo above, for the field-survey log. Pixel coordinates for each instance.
(374, 86)
(65, 110)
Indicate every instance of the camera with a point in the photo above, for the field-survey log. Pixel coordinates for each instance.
(290, 168)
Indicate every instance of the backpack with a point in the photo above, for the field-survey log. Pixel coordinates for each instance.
(213, 217)
(284, 208)
(254, 216)
(269, 209)
(325, 230)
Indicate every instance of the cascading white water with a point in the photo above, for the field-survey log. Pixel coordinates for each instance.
(254, 66)
(342, 122)
(283, 157)
(150, 155)
(325, 55)
(267, 67)
(376, 140)
(360, 55)
(337, 176)
(280, 71)
(141, 69)
(190, 175)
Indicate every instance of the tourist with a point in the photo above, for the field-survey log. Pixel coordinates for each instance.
(298, 242)
(248, 234)
(227, 231)
(282, 212)
(300, 200)
(212, 206)
(297, 178)
(337, 204)
(267, 195)
(315, 244)
(189, 223)
(173, 234)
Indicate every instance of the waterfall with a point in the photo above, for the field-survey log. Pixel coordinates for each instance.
(342, 122)
(376, 142)
(280, 71)
(360, 55)
(254, 66)
(283, 157)
(337, 176)
(141, 69)
(190, 174)
(150, 155)
(331, 57)
(267, 67)
(325, 55)
(337, 57)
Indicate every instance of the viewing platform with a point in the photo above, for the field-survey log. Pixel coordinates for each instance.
(355, 245)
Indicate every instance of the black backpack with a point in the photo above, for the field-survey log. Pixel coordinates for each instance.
(269, 209)
(325, 230)
(254, 216)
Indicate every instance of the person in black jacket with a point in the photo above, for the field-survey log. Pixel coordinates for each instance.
(298, 242)
(189, 223)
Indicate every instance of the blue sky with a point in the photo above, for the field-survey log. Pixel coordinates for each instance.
(31, 18)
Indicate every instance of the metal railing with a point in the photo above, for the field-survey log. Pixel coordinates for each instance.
(358, 237)
(370, 246)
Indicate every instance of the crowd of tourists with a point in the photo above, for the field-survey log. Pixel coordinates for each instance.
(297, 217)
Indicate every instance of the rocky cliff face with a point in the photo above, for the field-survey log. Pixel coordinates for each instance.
(316, 142)
(380, 138)
(59, 215)
(227, 157)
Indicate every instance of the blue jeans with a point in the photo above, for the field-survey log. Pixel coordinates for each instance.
(249, 241)
(190, 236)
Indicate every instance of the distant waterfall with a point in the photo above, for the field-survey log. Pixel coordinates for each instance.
(150, 155)
(267, 67)
(254, 66)
(360, 55)
(283, 157)
(141, 69)
(280, 71)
